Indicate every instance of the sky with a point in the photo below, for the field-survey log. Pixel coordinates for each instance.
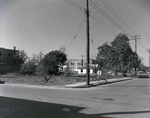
(46, 25)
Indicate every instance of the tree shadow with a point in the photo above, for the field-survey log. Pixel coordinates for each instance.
(20, 108)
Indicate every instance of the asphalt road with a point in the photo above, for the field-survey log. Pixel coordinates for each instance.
(126, 99)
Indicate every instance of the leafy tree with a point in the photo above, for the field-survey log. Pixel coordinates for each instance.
(52, 62)
(23, 56)
(104, 57)
(20, 57)
(123, 58)
(143, 68)
(118, 56)
(134, 61)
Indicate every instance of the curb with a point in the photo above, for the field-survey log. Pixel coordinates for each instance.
(97, 83)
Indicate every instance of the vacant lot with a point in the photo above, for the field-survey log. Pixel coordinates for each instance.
(39, 80)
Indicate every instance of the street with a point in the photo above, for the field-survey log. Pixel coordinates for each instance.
(126, 99)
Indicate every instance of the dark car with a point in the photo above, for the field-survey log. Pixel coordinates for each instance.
(2, 82)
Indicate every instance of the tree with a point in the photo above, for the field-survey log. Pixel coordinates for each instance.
(143, 68)
(118, 56)
(121, 52)
(20, 57)
(104, 57)
(23, 56)
(36, 58)
(134, 61)
(52, 62)
(63, 49)
(39, 56)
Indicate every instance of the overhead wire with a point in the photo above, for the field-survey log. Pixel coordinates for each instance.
(110, 19)
(76, 34)
(121, 20)
(75, 5)
(118, 17)
(99, 21)
(101, 11)
(83, 10)
(93, 45)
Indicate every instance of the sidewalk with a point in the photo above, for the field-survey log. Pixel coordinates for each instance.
(96, 83)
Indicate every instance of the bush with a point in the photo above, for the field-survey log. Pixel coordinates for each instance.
(28, 68)
(40, 70)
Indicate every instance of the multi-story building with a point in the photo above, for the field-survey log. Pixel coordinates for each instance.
(74, 64)
(8, 60)
(7, 56)
(79, 65)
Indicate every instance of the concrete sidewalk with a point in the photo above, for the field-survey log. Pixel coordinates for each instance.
(96, 83)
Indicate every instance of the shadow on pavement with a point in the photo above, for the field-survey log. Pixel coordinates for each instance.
(19, 108)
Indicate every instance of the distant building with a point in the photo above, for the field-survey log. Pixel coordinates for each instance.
(7, 60)
(74, 64)
(79, 65)
(82, 70)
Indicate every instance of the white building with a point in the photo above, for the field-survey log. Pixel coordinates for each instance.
(79, 65)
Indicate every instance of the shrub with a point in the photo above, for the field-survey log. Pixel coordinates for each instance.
(28, 68)
(40, 69)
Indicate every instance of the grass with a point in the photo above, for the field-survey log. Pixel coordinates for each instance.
(39, 80)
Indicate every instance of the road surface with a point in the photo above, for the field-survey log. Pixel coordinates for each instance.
(127, 99)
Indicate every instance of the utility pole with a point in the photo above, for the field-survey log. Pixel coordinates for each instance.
(149, 58)
(88, 44)
(135, 38)
(82, 60)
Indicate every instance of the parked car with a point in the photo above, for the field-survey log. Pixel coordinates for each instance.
(143, 75)
(2, 82)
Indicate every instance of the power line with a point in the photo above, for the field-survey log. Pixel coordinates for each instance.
(120, 19)
(76, 34)
(112, 20)
(99, 21)
(101, 11)
(93, 46)
(75, 5)
(82, 9)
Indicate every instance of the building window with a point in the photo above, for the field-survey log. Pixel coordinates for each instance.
(79, 64)
(72, 64)
(0, 53)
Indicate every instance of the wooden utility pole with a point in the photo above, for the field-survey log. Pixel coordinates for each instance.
(82, 60)
(135, 38)
(149, 58)
(88, 44)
